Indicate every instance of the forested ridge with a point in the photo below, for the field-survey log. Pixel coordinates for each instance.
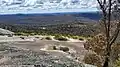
(73, 28)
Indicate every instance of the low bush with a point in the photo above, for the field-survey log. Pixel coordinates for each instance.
(93, 59)
(65, 49)
(54, 48)
(37, 37)
(75, 37)
(117, 63)
(22, 37)
(48, 38)
(82, 39)
(60, 38)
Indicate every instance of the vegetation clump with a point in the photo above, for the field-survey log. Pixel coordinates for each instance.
(117, 63)
(60, 48)
(22, 37)
(65, 49)
(75, 37)
(97, 45)
(81, 39)
(93, 59)
(54, 48)
(60, 38)
(37, 37)
(48, 38)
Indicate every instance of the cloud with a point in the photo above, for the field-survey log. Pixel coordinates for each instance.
(46, 6)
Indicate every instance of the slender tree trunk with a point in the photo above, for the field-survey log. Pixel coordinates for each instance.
(107, 59)
(108, 49)
(106, 62)
(107, 10)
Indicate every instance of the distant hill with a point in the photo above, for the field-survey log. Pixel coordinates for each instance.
(53, 18)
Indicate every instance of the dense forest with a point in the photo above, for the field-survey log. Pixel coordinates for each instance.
(73, 28)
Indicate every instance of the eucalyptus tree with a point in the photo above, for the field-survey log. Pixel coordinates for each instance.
(110, 14)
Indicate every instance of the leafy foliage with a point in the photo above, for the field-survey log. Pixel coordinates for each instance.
(97, 45)
(93, 59)
(60, 38)
(48, 38)
(117, 63)
(82, 39)
(65, 49)
(54, 48)
(74, 28)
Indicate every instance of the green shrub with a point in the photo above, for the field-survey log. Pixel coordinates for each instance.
(68, 36)
(22, 37)
(82, 39)
(117, 64)
(60, 38)
(48, 38)
(75, 37)
(32, 34)
(54, 48)
(37, 37)
(65, 49)
(93, 59)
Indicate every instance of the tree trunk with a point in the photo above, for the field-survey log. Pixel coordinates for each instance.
(106, 64)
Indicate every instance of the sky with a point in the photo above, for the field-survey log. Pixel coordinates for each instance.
(47, 6)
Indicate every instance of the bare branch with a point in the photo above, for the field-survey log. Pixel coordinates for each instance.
(104, 13)
(107, 5)
(104, 2)
(109, 21)
(100, 4)
(114, 37)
